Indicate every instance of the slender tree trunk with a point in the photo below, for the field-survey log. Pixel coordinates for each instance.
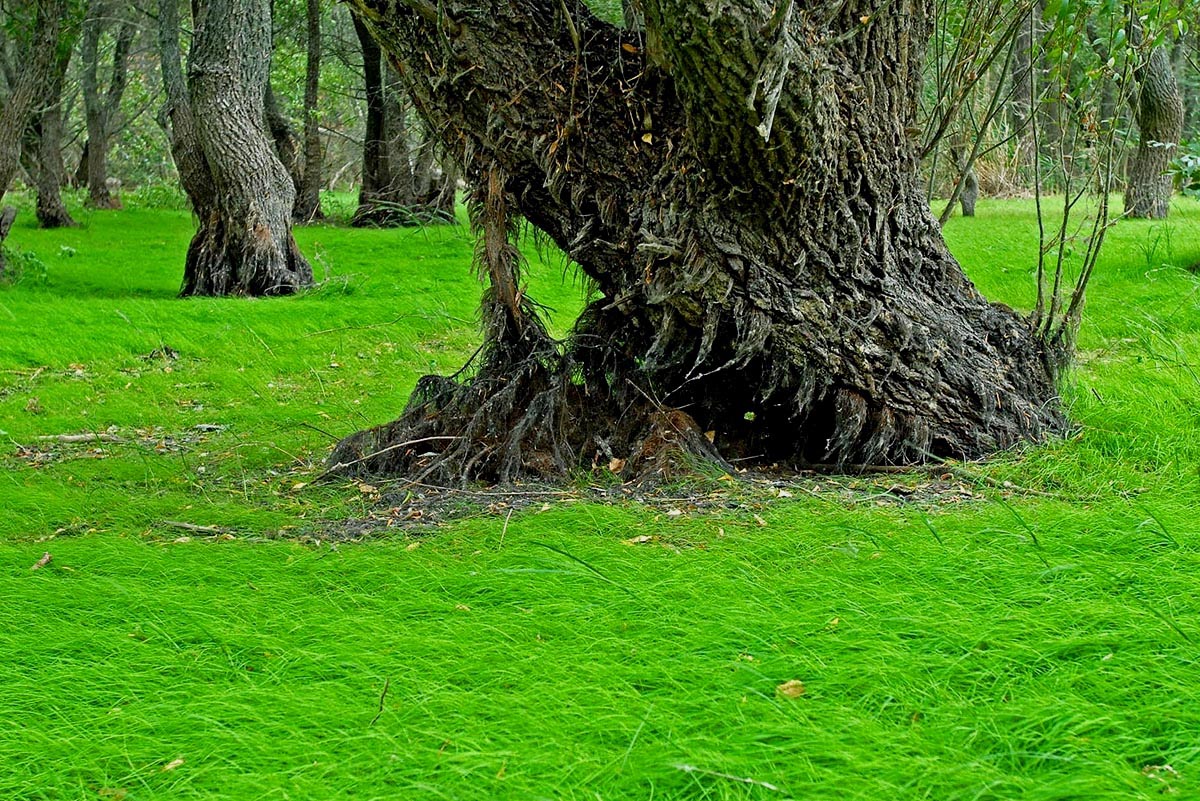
(1024, 88)
(1158, 108)
(773, 282)
(101, 109)
(287, 146)
(308, 198)
(400, 183)
(376, 172)
(29, 86)
(50, 177)
(181, 125)
(26, 87)
(244, 245)
(1189, 81)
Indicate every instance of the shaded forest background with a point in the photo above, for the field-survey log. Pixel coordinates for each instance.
(123, 44)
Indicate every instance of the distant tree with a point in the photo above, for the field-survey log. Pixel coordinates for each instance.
(308, 196)
(102, 106)
(287, 145)
(240, 191)
(50, 176)
(399, 181)
(1158, 110)
(38, 26)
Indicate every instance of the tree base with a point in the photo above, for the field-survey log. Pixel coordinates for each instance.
(524, 413)
(391, 215)
(531, 408)
(238, 259)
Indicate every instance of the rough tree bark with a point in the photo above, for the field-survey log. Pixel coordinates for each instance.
(240, 191)
(1158, 108)
(101, 109)
(744, 192)
(308, 194)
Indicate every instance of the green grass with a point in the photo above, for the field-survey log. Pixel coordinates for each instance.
(1013, 645)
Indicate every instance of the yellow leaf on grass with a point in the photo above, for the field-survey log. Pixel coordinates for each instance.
(793, 688)
(174, 763)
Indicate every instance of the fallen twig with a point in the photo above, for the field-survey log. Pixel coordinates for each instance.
(333, 469)
(387, 683)
(213, 530)
(76, 438)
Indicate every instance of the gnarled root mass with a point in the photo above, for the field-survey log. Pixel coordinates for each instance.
(526, 407)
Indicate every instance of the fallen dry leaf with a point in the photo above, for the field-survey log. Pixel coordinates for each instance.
(367, 489)
(39, 564)
(616, 465)
(758, 519)
(639, 540)
(793, 688)
(174, 763)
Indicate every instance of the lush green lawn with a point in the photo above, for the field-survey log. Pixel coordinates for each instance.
(1037, 644)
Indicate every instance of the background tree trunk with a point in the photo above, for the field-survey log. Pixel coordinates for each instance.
(287, 145)
(400, 184)
(101, 110)
(376, 171)
(1024, 85)
(308, 198)
(29, 85)
(770, 267)
(50, 178)
(1158, 108)
(177, 117)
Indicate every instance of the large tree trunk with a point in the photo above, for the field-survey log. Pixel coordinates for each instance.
(308, 197)
(240, 191)
(101, 109)
(1158, 108)
(744, 192)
